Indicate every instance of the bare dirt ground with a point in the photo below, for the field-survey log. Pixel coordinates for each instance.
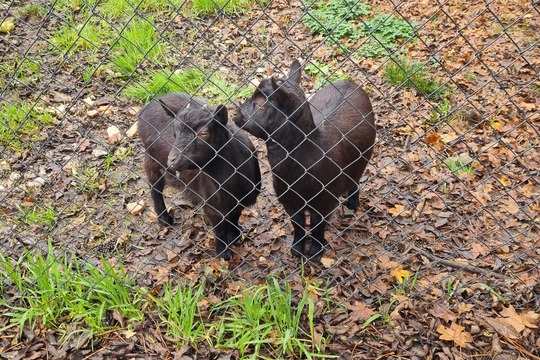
(476, 233)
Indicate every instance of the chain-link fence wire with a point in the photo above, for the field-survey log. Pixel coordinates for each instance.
(449, 200)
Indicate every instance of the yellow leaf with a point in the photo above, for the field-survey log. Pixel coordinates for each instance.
(401, 275)
(7, 26)
(455, 333)
(503, 181)
(398, 210)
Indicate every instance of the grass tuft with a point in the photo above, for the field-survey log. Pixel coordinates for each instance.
(415, 74)
(209, 7)
(192, 81)
(137, 43)
(20, 122)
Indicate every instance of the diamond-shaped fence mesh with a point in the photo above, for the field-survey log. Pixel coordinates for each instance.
(436, 256)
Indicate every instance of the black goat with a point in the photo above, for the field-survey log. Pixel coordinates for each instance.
(317, 150)
(189, 146)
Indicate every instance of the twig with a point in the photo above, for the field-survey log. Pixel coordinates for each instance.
(461, 266)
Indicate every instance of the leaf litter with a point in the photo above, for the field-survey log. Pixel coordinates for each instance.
(472, 239)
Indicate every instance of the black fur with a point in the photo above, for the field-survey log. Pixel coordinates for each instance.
(317, 150)
(189, 146)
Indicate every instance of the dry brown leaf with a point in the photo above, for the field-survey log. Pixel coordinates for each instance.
(503, 328)
(455, 333)
(478, 249)
(327, 262)
(432, 138)
(386, 263)
(519, 321)
(359, 312)
(442, 312)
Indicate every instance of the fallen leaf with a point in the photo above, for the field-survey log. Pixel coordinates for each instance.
(455, 333)
(327, 262)
(518, 321)
(432, 138)
(133, 130)
(442, 312)
(7, 26)
(114, 134)
(478, 249)
(359, 312)
(135, 208)
(398, 210)
(401, 275)
(503, 328)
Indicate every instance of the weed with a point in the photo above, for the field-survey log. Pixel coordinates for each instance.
(137, 43)
(192, 81)
(36, 10)
(179, 310)
(88, 179)
(469, 76)
(383, 34)
(324, 74)
(25, 72)
(20, 121)
(441, 112)
(405, 283)
(334, 18)
(451, 288)
(42, 215)
(460, 164)
(414, 74)
(73, 5)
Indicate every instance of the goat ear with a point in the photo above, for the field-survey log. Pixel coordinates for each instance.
(295, 73)
(166, 108)
(279, 91)
(221, 114)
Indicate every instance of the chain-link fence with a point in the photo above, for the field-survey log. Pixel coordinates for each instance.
(436, 257)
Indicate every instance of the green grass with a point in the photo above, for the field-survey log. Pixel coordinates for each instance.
(137, 43)
(38, 214)
(192, 81)
(88, 179)
(414, 74)
(264, 318)
(209, 7)
(323, 73)
(334, 18)
(25, 72)
(178, 309)
(59, 291)
(37, 10)
(460, 164)
(22, 123)
(71, 37)
(441, 111)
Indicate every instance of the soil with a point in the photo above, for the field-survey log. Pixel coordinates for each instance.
(476, 231)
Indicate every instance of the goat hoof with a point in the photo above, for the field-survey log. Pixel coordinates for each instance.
(352, 203)
(225, 254)
(315, 250)
(165, 219)
(296, 252)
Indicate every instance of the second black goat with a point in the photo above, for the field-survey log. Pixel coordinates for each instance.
(189, 146)
(317, 150)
